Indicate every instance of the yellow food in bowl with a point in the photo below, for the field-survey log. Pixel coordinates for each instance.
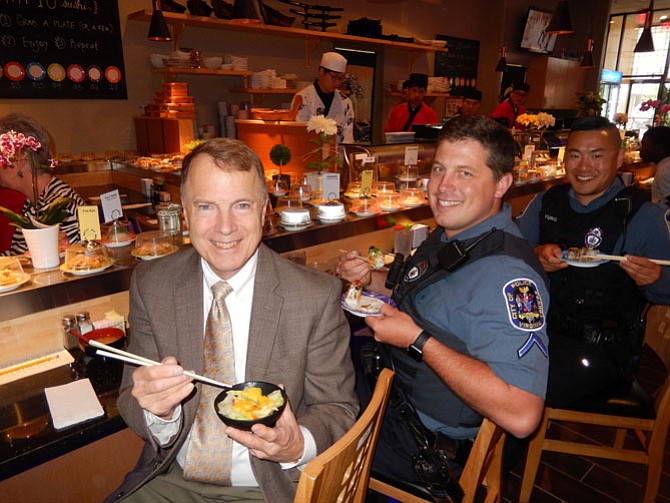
(250, 404)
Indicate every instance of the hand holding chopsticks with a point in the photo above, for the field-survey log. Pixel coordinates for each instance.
(110, 352)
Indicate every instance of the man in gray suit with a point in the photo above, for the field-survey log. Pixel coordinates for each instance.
(287, 328)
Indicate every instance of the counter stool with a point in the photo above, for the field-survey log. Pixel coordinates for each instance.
(629, 408)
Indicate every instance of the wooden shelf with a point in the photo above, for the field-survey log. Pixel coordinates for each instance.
(265, 29)
(202, 71)
(254, 90)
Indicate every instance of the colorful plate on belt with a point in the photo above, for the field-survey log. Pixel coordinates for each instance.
(94, 73)
(56, 72)
(113, 74)
(76, 73)
(36, 71)
(15, 71)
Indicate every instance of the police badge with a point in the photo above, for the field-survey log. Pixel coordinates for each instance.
(524, 305)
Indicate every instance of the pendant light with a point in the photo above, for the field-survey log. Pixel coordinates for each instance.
(587, 59)
(246, 11)
(560, 23)
(646, 42)
(158, 29)
(502, 62)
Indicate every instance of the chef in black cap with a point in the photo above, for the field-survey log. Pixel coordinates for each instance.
(414, 110)
(472, 99)
(512, 106)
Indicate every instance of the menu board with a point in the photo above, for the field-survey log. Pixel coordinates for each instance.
(61, 49)
(459, 62)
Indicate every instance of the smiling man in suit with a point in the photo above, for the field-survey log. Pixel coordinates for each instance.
(287, 328)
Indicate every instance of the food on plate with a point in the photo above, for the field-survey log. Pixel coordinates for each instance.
(9, 277)
(151, 249)
(81, 261)
(355, 300)
(250, 404)
(353, 294)
(585, 254)
(376, 258)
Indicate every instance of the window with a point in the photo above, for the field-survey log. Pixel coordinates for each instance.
(643, 72)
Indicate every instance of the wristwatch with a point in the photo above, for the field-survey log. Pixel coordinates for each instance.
(415, 350)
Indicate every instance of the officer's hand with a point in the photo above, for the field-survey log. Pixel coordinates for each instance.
(351, 267)
(642, 270)
(395, 327)
(551, 257)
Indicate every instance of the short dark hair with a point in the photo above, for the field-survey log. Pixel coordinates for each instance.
(470, 93)
(228, 155)
(596, 123)
(491, 135)
(21, 123)
(656, 144)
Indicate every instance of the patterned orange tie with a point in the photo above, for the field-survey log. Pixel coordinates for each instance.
(209, 453)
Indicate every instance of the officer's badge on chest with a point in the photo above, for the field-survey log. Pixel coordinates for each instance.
(593, 237)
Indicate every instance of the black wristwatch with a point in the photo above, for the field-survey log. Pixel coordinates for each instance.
(415, 350)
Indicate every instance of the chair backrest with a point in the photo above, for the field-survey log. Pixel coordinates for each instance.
(341, 472)
(484, 464)
(657, 337)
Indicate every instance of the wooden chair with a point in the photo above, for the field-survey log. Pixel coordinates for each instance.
(484, 467)
(340, 473)
(648, 422)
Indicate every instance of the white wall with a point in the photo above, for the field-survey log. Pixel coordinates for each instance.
(100, 125)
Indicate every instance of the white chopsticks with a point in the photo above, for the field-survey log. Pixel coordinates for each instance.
(619, 258)
(117, 354)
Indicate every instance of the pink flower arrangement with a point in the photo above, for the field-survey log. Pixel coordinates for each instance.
(11, 145)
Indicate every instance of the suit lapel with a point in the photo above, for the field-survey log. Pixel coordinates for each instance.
(265, 311)
(188, 311)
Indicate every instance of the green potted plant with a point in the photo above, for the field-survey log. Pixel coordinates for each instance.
(589, 104)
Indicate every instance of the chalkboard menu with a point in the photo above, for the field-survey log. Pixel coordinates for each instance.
(459, 62)
(61, 49)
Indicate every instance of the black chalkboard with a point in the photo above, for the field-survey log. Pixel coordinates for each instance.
(61, 49)
(460, 61)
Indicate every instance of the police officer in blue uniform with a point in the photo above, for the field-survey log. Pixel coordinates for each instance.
(596, 321)
(469, 337)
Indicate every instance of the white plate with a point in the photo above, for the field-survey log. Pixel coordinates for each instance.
(118, 244)
(373, 300)
(389, 208)
(586, 264)
(83, 272)
(152, 257)
(331, 220)
(290, 228)
(365, 213)
(24, 278)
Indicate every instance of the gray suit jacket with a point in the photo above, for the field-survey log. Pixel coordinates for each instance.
(298, 337)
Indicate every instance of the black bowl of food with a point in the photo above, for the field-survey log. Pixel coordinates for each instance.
(250, 403)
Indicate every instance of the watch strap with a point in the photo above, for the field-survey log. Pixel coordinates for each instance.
(415, 350)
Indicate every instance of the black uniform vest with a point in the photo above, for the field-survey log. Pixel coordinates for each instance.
(425, 389)
(600, 305)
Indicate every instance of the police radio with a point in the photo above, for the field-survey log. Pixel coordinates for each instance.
(456, 253)
(395, 271)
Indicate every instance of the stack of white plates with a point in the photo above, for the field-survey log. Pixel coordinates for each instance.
(239, 64)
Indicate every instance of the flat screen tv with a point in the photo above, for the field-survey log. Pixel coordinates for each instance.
(534, 38)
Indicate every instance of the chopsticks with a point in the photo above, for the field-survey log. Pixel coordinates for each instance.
(619, 258)
(118, 354)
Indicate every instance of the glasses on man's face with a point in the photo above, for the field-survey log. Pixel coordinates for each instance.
(336, 76)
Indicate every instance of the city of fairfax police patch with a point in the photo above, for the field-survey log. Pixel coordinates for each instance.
(593, 238)
(524, 304)
(416, 272)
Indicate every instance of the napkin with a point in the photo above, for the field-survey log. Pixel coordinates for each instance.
(73, 403)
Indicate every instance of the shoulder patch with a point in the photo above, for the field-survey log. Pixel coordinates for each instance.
(524, 305)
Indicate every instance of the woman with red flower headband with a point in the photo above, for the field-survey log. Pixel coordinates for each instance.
(24, 159)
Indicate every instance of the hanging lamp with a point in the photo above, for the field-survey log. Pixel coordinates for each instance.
(158, 29)
(246, 11)
(502, 62)
(561, 23)
(587, 59)
(646, 42)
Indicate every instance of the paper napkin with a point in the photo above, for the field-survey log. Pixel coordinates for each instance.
(73, 403)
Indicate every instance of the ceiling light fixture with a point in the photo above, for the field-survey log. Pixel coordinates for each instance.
(560, 23)
(587, 59)
(646, 42)
(502, 62)
(158, 29)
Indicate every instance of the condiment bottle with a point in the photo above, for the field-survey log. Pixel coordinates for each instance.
(84, 322)
(70, 340)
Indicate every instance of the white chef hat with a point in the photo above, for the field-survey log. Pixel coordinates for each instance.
(334, 61)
